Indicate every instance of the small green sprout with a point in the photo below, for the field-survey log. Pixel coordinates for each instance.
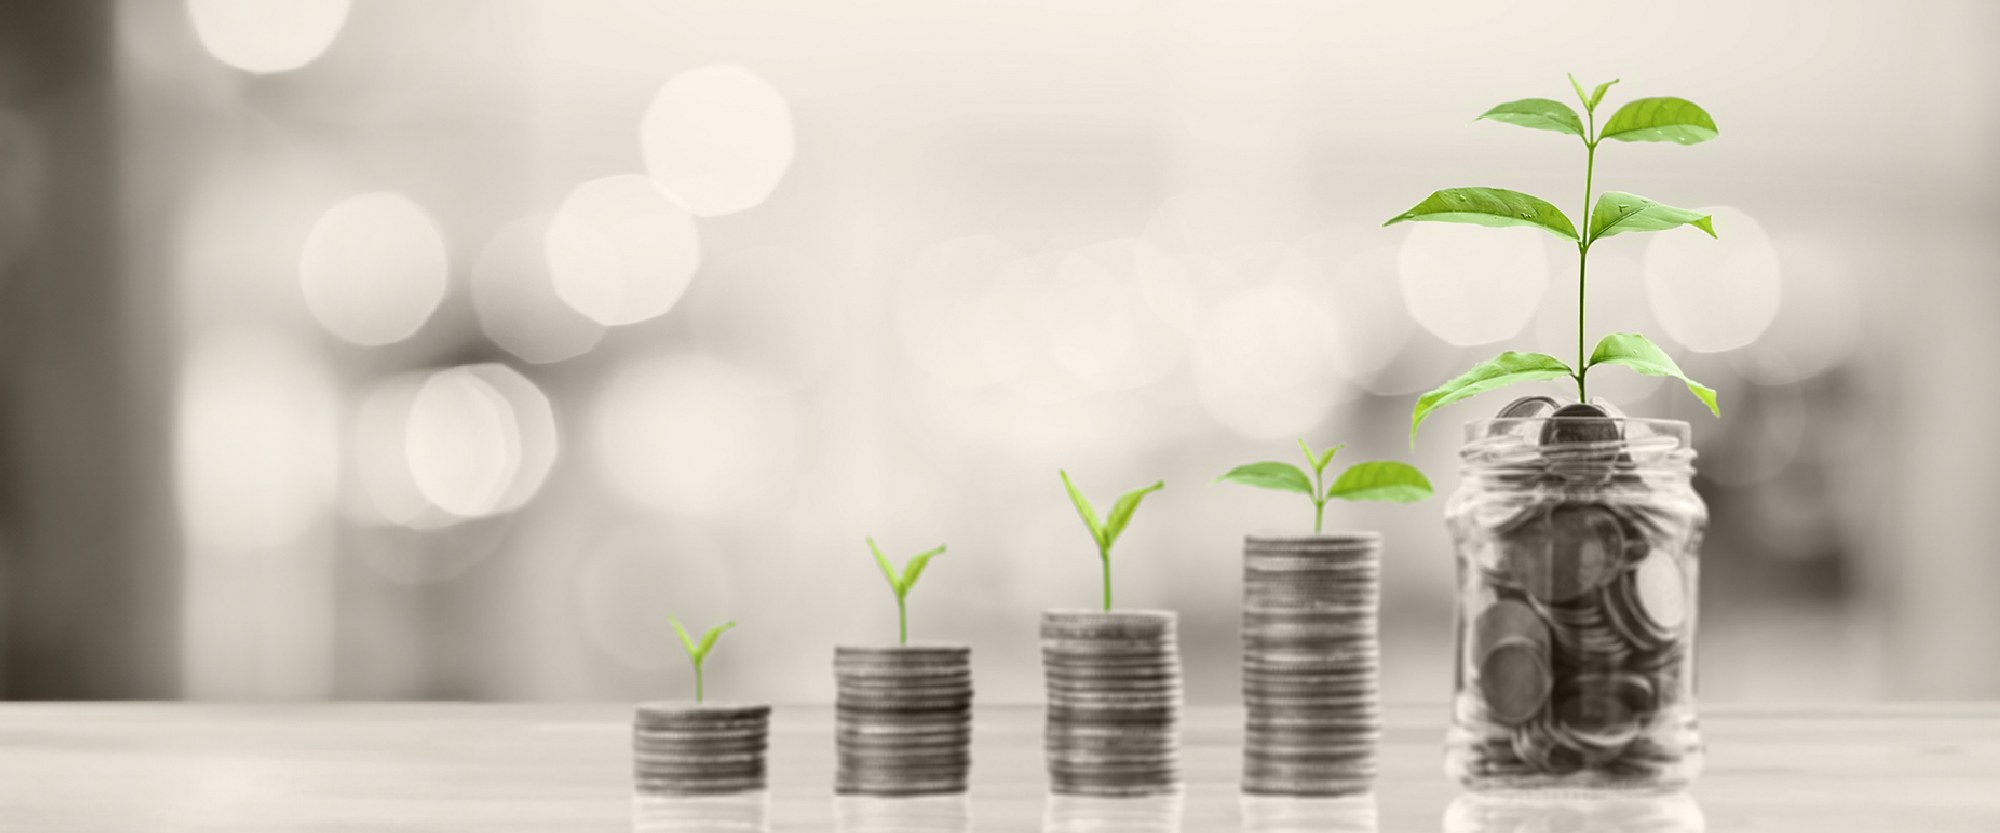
(1660, 119)
(699, 651)
(1106, 533)
(902, 583)
(1378, 480)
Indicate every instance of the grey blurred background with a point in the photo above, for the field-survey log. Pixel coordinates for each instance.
(444, 349)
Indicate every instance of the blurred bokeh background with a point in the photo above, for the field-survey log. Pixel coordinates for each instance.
(382, 350)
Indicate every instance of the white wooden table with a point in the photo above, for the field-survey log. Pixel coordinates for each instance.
(553, 768)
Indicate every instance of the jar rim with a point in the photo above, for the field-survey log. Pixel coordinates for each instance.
(1477, 428)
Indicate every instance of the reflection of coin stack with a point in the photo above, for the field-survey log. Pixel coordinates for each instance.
(1094, 814)
(1271, 814)
(1576, 647)
(1671, 813)
(904, 717)
(928, 814)
(1310, 663)
(684, 749)
(741, 813)
(1114, 695)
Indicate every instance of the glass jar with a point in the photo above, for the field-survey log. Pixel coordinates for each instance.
(1576, 540)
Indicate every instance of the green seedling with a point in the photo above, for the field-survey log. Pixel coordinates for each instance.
(1663, 119)
(698, 651)
(1105, 533)
(902, 582)
(1376, 480)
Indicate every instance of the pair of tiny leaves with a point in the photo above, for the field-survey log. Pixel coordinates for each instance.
(912, 569)
(1375, 480)
(1663, 119)
(698, 651)
(1106, 532)
(1627, 349)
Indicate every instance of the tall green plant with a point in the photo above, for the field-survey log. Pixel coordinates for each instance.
(1373, 480)
(698, 651)
(1105, 533)
(901, 583)
(1663, 119)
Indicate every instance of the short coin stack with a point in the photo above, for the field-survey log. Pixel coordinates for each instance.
(904, 719)
(1311, 663)
(689, 749)
(1114, 696)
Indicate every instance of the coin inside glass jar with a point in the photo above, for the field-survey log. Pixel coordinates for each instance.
(1568, 552)
(1661, 591)
(1514, 678)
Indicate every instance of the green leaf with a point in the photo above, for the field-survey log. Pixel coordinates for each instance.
(1121, 512)
(1320, 460)
(1597, 95)
(915, 566)
(888, 571)
(1497, 372)
(708, 639)
(1283, 477)
(1381, 480)
(1618, 212)
(1580, 97)
(1664, 119)
(1493, 207)
(1083, 510)
(1537, 113)
(687, 642)
(1634, 351)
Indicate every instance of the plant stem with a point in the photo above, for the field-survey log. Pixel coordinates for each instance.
(902, 622)
(1319, 499)
(1105, 556)
(697, 682)
(1583, 252)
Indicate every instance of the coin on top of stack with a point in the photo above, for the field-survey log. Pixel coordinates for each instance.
(1114, 696)
(690, 749)
(903, 720)
(1311, 663)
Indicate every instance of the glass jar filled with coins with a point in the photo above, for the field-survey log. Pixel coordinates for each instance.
(1576, 535)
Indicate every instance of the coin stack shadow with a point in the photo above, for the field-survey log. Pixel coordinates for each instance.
(903, 719)
(1114, 696)
(687, 749)
(1311, 663)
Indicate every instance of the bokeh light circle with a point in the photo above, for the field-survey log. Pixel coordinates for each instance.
(1107, 311)
(690, 434)
(1470, 285)
(621, 252)
(969, 311)
(1713, 295)
(514, 294)
(256, 449)
(717, 138)
(1357, 290)
(267, 36)
(373, 268)
(380, 489)
(538, 442)
(463, 443)
(1260, 364)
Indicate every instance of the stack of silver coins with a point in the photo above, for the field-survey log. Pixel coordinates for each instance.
(687, 749)
(903, 719)
(1114, 697)
(1311, 663)
(1578, 556)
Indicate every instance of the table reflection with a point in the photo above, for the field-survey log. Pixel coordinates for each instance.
(701, 814)
(1674, 813)
(925, 814)
(1080, 814)
(1267, 814)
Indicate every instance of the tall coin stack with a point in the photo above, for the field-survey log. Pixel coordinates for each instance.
(1311, 663)
(904, 719)
(687, 749)
(1114, 696)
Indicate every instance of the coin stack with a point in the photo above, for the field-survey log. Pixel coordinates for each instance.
(1311, 675)
(904, 719)
(1579, 570)
(1114, 695)
(688, 749)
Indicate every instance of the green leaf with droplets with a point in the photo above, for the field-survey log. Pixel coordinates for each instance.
(1492, 207)
(1497, 372)
(1283, 477)
(1618, 212)
(1539, 114)
(1663, 119)
(1381, 480)
(1635, 351)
